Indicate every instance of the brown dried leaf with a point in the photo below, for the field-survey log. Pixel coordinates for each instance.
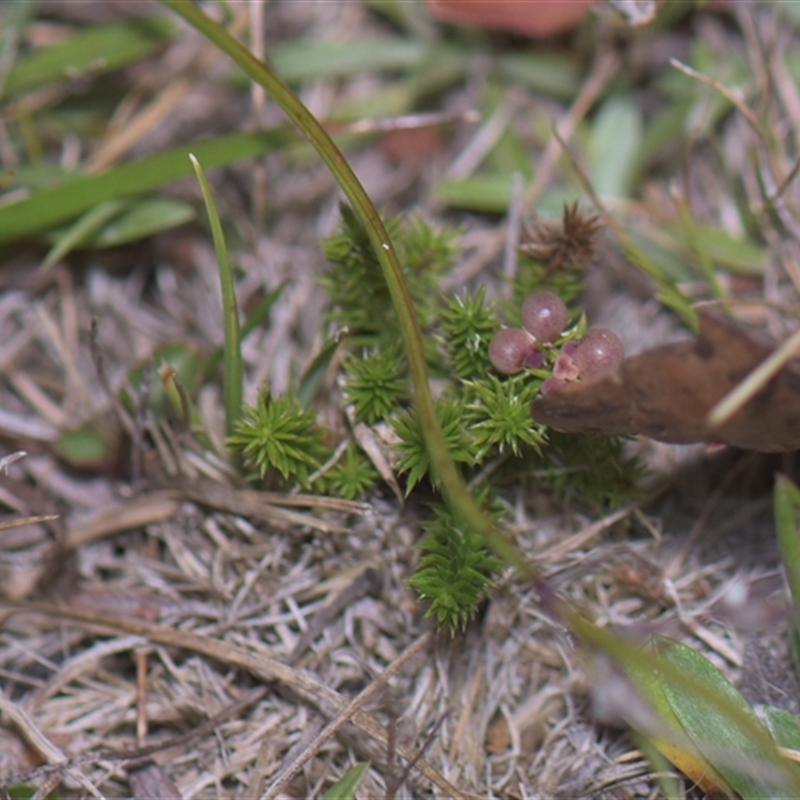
(667, 393)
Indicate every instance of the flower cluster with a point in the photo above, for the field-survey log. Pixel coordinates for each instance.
(544, 318)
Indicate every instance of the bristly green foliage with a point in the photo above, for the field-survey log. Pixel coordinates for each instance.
(594, 469)
(457, 570)
(360, 299)
(468, 325)
(278, 434)
(376, 383)
(351, 476)
(500, 415)
(414, 458)
(485, 417)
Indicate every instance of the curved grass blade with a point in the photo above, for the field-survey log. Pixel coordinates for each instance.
(444, 468)
(233, 381)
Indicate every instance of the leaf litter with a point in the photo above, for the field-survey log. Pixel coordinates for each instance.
(195, 636)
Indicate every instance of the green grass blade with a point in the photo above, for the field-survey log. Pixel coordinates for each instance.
(233, 381)
(444, 468)
(99, 48)
(47, 208)
(144, 218)
(89, 224)
(345, 787)
(787, 506)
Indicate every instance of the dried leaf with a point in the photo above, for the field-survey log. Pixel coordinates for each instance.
(667, 393)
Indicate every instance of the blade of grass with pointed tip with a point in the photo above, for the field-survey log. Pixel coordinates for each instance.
(144, 218)
(233, 380)
(96, 49)
(445, 469)
(345, 787)
(83, 228)
(46, 208)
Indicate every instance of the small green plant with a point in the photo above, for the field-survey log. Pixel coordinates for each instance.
(483, 412)
(351, 476)
(485, 416)
(278, 435)
(414, 459)
(377, 383)
(467, 326)
(456, 569)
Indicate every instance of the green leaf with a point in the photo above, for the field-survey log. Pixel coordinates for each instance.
(616, 137)
(144, 218)
(46, 208)
(311, 60)
(352, 475)
(88, 225)
(85, 447)
(22, 791)
(787, 517)
(486, 193)
(95, 49)
(467, 328)
(178, 356)
(784, 727)
(543, 72)
(345, 788)
(233, 373)
(733, 253)
(376, 383)
(724, 727)
(456, 569)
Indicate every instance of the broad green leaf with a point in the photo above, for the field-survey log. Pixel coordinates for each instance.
(95, 49)
(22, 791)
(85, 448)
(784, 727)
(46, 208)
(345, 787)
(725, 728)
(669, 740)
(615, 140)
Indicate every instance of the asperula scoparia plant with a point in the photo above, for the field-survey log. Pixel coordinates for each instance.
(487, 376)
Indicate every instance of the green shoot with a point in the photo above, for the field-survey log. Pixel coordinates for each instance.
(376, 383)
(279, 435)
(414, 457)
(352, 475)
(456, 570)
(233, 384)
